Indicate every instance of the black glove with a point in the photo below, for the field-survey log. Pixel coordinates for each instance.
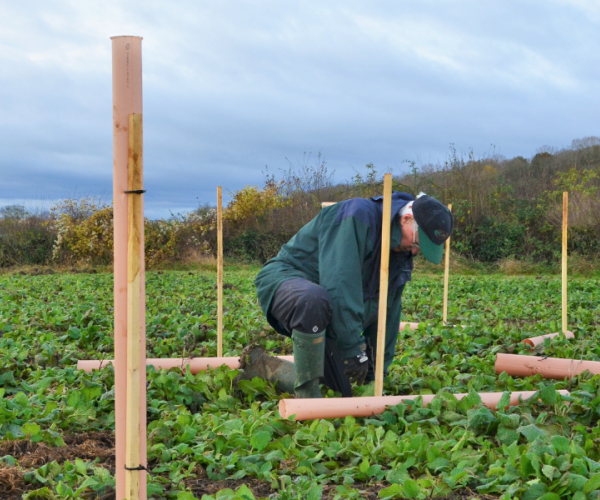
(357, 368)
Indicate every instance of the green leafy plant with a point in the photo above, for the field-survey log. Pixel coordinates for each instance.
(204, 428)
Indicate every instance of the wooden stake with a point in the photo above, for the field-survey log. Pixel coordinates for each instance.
(565, 222)
(219, 272)
(446, 277)
(383, 282)
(136, 362)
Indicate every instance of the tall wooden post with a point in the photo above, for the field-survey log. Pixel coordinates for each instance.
(565, 223)
(446, 277)
(136, 360)
(129, 301)
(219, 272)
(383, 282)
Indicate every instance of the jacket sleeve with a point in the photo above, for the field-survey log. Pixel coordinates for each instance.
(342, 249)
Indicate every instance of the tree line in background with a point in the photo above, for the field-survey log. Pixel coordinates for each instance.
(503, 209)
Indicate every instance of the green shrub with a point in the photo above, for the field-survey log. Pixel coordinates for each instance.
(254, 245)
(493, 240)
(25, 238)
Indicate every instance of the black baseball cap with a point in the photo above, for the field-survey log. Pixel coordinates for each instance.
(435, 226)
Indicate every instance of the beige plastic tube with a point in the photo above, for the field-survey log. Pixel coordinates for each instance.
(196, 364)
(127, 99)
(554, 368)
(533, 341)
(308, 409)
(411, 326)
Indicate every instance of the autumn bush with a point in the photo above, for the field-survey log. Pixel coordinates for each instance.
(79, 232)
(181, 238)
(258, 220)
(84, 231)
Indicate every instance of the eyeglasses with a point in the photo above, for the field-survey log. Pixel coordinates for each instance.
(415, 243)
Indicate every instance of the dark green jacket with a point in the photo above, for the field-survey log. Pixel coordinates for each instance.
(340, 250)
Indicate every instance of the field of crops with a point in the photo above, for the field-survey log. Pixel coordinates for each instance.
(207, 437)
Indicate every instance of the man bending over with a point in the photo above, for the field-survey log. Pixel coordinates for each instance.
(322, 290)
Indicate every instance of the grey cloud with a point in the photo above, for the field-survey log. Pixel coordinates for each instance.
(230, 87)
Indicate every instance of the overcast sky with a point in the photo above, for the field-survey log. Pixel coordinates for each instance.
(231, 86)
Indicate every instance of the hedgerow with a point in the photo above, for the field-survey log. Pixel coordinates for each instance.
(503, 209)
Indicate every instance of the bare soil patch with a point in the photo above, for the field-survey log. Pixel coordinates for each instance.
(371, 492)
(92, 445)
(204, 486)
(86, 446)
(12, 483)
(262, 489)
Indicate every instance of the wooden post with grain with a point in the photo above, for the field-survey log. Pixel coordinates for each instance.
(446, 276)
(127, 99)
(219, 272)
(565, 223)
(383, 282)
(136, 356)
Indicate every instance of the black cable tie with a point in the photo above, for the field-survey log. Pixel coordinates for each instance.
(139, 467)
(136, 191)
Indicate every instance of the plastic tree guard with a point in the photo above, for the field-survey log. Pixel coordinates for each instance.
(127, 100)
(533, 341)
(308, 409)
(553, 368)
(411, 326)
(196, 364)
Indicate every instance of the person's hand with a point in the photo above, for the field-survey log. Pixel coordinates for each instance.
(357, 368)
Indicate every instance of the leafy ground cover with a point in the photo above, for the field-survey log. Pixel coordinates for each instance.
(209, 439)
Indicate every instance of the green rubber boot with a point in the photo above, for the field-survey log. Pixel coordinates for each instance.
(255, 362)
(309, 363)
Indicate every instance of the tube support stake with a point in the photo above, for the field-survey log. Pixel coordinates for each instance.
(136, 359)
(446, 276)
(219, 272)
(383, 282)
(565, 223)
